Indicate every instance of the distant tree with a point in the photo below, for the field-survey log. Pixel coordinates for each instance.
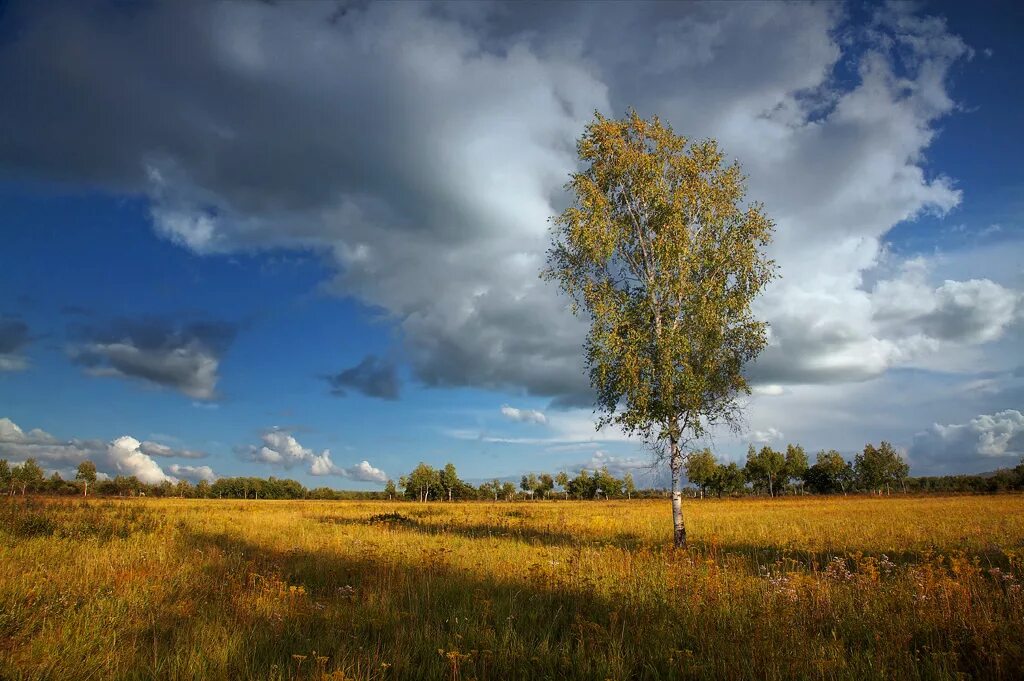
(879, 467)
(86, 475)
(796, 465)
(628, 486)
(582, 486)
(605, 484)
(422, 480)
(6, 476)
(700, 469)
(563, 481)
(508, 490)
(29, 475)
(830, 473)
(529, 484)
(764, 467)
(727, 479)
(203, 489)
(389, 489)
(56, 484)
(545, 483)
(448, 478)
(662, 251)
(487, 490)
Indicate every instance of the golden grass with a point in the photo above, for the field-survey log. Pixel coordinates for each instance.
(785, 588)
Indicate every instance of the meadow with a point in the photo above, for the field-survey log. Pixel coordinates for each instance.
(798, 587)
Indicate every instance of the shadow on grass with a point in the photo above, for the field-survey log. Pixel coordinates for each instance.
(753, 556)
(376, 616)
(406, 615)
(505, 531)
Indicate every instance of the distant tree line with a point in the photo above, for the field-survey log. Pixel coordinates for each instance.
(29, 477)
(426, 483)
(877, 469)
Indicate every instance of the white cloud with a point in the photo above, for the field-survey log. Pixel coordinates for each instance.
(986, 441)
(364, 471)
(9, 362)
(523, 415)
(123, 456)
(193, 473)
(157, 449)
(280, 448)
(767, 436)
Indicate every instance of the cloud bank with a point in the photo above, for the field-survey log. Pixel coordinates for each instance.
(986, 442)
(122, 456)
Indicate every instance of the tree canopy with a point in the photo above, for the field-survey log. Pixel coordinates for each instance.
(661, 251)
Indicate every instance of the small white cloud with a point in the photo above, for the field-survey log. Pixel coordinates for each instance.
(11, 362)
(523, 415)
(193, 473)
(365, 472)
(766, 436)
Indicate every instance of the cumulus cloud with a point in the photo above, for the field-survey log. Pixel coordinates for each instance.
(127, 458)
(123, 456)
(193, 473)
(14, 336)
(151, 448)
(766, 436)
(373, 377)
(972, 312)
(523, 415)
(985, 442)
(184, 358)
(422, 149)
(280, 448)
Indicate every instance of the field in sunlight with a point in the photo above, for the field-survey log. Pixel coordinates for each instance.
(798, 587)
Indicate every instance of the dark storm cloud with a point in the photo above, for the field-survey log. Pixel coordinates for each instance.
(423, 147)
(373, 377)
(185, 358)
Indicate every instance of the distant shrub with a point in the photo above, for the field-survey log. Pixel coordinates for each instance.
(391, 518)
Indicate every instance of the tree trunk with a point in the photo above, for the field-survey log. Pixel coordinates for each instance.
(676, 465)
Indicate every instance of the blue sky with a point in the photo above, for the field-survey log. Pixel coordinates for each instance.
(257, 232)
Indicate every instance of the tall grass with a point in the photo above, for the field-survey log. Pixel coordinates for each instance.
(800, 588)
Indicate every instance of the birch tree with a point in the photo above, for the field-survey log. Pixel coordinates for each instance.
(662, 253)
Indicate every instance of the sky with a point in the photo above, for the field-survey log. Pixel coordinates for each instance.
(304, 240)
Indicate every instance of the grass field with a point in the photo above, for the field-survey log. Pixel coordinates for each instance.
(854, 588)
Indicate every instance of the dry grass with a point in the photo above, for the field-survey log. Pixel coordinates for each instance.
(790, 588)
